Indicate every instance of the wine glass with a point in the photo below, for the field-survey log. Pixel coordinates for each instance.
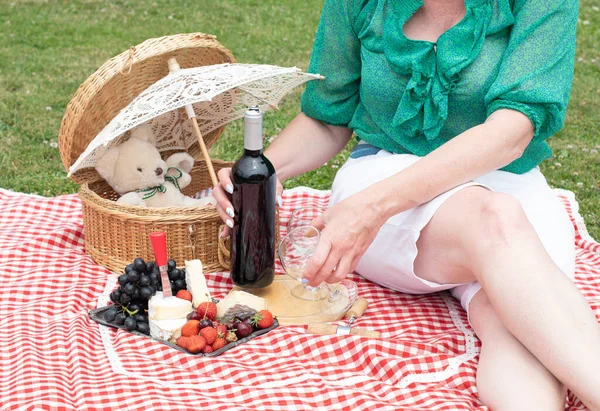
(303, 216)
(295, 250)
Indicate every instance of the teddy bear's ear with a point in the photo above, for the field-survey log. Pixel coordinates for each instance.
(181, 160)
(107, 164)
(144, 132)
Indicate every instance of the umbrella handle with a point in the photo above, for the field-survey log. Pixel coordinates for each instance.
(211, 170)
(173, 67)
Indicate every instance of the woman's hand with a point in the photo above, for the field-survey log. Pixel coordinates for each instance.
(347, 230)
(222, 192)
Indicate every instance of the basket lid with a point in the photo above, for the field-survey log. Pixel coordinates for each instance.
(122, 78)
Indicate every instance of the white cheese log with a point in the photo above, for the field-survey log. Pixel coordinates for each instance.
(168, 330)
(169, 308)
(242, 298)
(196, 282)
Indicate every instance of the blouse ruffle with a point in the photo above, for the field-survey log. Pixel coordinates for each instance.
(433, 68)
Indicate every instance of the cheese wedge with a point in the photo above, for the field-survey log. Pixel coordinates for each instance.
(169, 308)
(168, 330)
(196, 282)
(240, 298)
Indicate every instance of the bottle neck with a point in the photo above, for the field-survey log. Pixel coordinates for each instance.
(253, 131)
(252, 153)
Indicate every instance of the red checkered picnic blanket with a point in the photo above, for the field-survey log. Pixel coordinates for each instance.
(52, 356)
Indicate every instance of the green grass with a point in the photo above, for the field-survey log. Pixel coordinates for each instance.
(48, 48)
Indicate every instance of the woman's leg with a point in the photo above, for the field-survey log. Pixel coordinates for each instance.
(509, 377)
(477, 235)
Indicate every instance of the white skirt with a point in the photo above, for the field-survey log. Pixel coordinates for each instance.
(389, 260)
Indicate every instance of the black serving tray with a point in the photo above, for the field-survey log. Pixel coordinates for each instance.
(97, 315)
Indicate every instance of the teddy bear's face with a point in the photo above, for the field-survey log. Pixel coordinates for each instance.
(139, 167)
(133, 165)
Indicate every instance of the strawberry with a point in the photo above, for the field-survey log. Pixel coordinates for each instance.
(192, 327)
(209, 334)
(221, 330)
(219, 343)
(196, 344)
(231, 337)
(207, 310)
(207, 349)
(183, 342)
(184, 295)
(262, 319)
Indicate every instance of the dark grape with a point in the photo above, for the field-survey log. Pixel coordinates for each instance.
(119, 291)
(136, 294)
(140, 317)
(230, 325)
(144, 280)
(123, 279)
(146, 292)
(159, 286)
(110, 314)
(174, 274)
(180, 284)
(139, 264)
(134, 307)
(125, 299)
(194, 315)
(205, 323)
(129, 288)
(120, 318)
(171, 265)
(114, 296)
(143, 328)
(133, 276)
(128, 268)
(153, 277)
(149, 267)
(130, 324)
(243, 329)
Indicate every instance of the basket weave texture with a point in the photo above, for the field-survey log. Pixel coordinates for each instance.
(115, 234)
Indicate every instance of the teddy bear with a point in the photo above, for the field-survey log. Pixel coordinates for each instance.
(135, 170)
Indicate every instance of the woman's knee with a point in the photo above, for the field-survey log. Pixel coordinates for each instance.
(500, 218)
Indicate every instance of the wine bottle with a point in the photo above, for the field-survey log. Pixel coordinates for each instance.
(253, 199)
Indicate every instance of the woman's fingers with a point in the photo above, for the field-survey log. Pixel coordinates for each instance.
(224, 175)
(341, 270)
(318, 223)
(224, 216)
(327, 269)
(223, 200)
(221, 194)
(317, 260)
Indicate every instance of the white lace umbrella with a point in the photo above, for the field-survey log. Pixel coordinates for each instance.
(212, 97)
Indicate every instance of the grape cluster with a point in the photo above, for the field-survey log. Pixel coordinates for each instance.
(139, 282)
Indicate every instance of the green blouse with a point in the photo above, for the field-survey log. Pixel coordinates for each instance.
(411, 96)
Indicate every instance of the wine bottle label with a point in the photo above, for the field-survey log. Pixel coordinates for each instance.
(253, 129)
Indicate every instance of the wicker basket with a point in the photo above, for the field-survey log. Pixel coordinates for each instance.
(115, 234)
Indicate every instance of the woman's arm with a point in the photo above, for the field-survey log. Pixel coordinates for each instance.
(349, 227)
(304, 145)
(478, 151)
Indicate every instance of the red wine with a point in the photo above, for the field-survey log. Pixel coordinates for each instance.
(253, 199)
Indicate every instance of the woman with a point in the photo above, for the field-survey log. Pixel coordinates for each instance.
(452, 101)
